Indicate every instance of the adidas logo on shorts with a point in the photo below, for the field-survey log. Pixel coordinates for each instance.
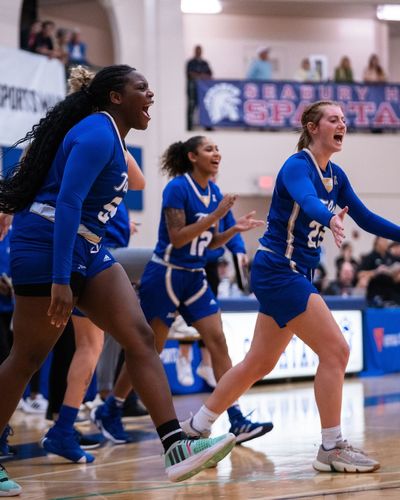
(106, 258)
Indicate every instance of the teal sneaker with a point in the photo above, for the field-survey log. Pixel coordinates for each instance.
(8, 487)
(187, 457)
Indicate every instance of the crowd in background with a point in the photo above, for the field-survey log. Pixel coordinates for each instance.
(45, 38)
(261, 69)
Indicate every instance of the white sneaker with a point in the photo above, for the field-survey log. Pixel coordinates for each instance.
(344, 458)
(184, 371)
(207, 373)
(179, 330)
(35, 405)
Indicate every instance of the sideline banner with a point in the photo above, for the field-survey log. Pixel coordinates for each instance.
(29, 85)
(279, 104)
(381, 341)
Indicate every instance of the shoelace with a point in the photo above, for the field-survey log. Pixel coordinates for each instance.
(351, 448)
(243, 418)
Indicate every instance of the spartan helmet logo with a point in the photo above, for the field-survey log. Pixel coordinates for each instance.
(222, 101)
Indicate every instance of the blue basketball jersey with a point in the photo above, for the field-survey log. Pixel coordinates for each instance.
(290, 230)
(184, 193)
(303, 203)
(82, 190)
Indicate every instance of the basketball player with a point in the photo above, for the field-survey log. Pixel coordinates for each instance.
(64, 191)
(307, 190)
(175, 278)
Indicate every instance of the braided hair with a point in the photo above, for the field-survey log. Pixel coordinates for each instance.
(175, 161)
(87, 93)
(312, 113)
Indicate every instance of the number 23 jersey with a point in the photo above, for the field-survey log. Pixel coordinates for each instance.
(184, 193)
(303, 203)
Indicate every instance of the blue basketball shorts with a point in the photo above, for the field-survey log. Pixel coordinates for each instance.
(31, 259)
(282, 288)
(164, 290)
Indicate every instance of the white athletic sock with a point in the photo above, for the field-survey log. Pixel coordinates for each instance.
(331, 436)
(204, 419)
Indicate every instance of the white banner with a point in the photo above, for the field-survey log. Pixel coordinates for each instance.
(29, 85)
(298, 360)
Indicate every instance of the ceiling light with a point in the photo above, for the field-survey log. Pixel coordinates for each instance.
(388, 12)
(201, 6)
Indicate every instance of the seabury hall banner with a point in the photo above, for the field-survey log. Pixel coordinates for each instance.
(29, 85)
(279, 105)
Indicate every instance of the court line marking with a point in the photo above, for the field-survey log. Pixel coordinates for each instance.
(392, 485)
(84, 467)
(355, 489)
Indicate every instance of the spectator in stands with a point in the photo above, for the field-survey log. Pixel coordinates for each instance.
(383, 289)
(345, 282)
(378, 260)
(261, 67)
(61, 45)
(320, 277)
(379, 256)
(28, 37)
(374, 72)
(77, 49)
(44, 40)
(344, 72)
(306, 73)
(394, 251)
(197, 68)
(346, 255)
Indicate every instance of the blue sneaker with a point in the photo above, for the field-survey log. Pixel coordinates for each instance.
(8, 487)
(7, 451)
(245, 430)
(66, 446)
(109, 421)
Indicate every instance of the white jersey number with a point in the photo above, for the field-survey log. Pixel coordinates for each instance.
(200, 243)
(110, 209)
(316, 235)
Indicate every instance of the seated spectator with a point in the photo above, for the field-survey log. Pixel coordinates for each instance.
(43, 42)
(306, 73)
(377, 260)
(319, 277)
(374, 72)
(394, 251)
(384, 288)
(28, 37)
(260, 68)
(345, 282)
(344, 72)
(346, 255)
(77, 49)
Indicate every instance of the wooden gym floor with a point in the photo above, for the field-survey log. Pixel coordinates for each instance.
(275, 466)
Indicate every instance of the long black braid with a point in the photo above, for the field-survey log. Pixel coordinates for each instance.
(175, 160)
(19, 187)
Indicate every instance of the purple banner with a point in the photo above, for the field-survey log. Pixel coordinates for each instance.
(279, 104)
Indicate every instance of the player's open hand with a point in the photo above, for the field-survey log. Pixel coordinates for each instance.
(247, 222)
(337, 227)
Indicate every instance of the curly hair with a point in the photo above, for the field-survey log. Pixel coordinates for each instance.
(175, 160)
(312, 113)
(88, 93)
